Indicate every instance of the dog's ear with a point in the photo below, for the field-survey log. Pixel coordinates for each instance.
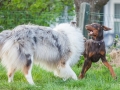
(106, 28)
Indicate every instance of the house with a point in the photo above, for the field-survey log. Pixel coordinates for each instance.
(112, 20)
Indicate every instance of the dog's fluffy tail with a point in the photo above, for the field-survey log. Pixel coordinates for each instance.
(4, 35)
(12, 55)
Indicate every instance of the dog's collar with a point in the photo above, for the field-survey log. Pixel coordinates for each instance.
(99, 42)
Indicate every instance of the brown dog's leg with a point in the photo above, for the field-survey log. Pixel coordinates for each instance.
(86, 66)
(109, 67)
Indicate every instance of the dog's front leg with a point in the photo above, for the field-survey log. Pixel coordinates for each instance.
(86, 66)
(109, 67)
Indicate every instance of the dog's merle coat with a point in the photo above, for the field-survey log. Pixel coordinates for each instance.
(54, 49)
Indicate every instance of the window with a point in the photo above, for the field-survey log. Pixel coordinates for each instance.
(117, 11)
(117, 18)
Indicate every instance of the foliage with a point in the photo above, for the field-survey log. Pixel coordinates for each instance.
(42, 12)
(108, 57)
(115, 45)
(81, 61)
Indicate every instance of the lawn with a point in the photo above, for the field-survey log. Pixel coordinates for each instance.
(97, 78)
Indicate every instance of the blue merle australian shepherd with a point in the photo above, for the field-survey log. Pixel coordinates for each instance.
(54, 49)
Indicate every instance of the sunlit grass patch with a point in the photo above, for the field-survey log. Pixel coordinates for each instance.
(97, 78)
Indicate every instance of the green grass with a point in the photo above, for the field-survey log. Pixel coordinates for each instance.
(97, 78)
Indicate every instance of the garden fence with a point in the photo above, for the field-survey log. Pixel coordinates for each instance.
(10, 19)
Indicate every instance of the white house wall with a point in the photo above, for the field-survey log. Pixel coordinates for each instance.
(109, 21)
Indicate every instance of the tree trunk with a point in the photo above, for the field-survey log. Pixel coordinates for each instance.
(95, 6)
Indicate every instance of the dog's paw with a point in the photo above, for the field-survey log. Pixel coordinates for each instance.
(80, 77)
(74, 77)
(64, 79)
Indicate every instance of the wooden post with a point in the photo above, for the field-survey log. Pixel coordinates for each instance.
(84, 15)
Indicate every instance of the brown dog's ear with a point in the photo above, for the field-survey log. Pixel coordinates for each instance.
(106, 28)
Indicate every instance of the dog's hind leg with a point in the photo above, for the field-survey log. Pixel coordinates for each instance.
(10, 74)
(86, 66)
(110, 69)
(27, 69)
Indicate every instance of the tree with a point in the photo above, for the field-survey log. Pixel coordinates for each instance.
(95, 6)
(42, 12)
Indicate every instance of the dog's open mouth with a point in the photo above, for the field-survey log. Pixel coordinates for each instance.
(90, 32)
